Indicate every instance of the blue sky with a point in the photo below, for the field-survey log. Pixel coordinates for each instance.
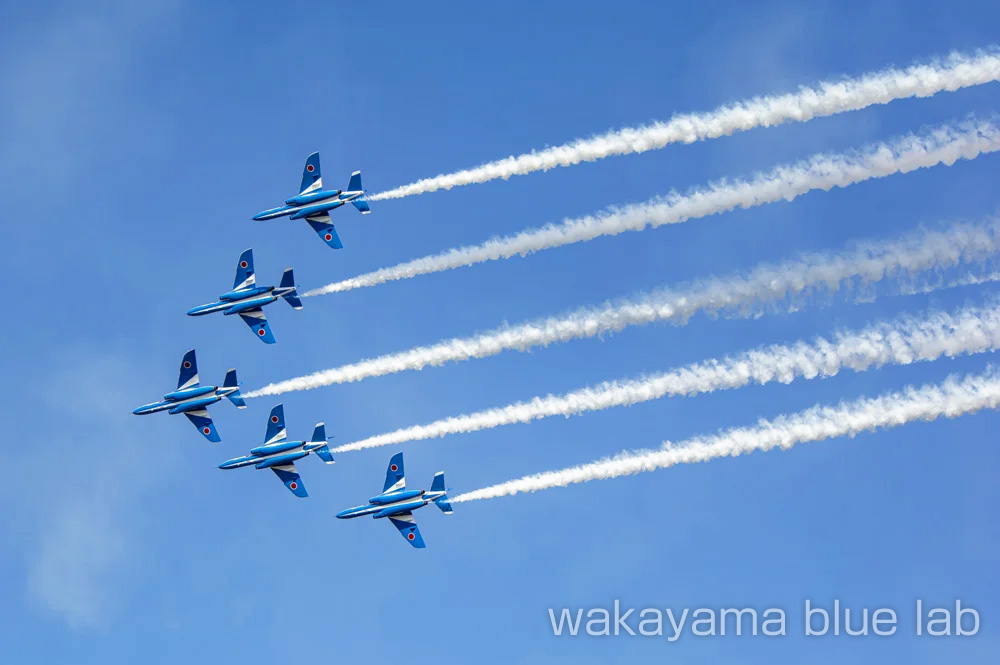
(138, 140)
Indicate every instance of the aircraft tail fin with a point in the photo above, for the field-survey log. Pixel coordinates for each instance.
(355, 186)
(319, 434)
(288, 281)
(235, 397)
(437, 485)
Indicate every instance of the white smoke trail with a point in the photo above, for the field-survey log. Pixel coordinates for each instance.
(959, 70)
(943, 145)
(901, 342)
(951, 399)
(868, 263)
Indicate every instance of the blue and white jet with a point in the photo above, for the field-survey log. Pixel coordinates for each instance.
(279, 455)
(313, 203)
(398, 503)
(247, 299)
(192, 399)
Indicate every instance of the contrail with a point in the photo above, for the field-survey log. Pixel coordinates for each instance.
(905, 260)
(943, 145)
(958, 70)
(901, 342)
(955, 397)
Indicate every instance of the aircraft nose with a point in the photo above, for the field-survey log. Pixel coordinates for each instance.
(344, 513)
(138, 411)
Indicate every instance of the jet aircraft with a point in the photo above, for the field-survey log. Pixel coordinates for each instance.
(247, 299)
(279, 455)
(398, 503)
(315, 203)
(192, 399)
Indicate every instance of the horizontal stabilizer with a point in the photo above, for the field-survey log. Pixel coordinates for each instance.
(319, 436)
(292, 297)
(362, 205)
(231, 382)
(325, 454)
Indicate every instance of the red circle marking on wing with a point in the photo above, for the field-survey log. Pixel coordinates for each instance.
(329, 237)
(274, 419)
(410, 535)
(243, 264)
(310, 168)
(207, 431)
(261, 332)
(294, 485)
(394, 467)
(187, 365)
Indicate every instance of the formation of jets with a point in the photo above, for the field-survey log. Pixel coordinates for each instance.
(247, 299)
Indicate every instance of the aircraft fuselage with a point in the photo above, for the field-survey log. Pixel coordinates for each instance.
(192, 399)
(241, 300)
(307, 205)
(392, 503)
(274, 454)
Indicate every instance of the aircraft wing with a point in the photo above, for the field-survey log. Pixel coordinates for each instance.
(258, 324)
(324, 229)
(244, 271)
(288, 475)
(395, 477)
(188, 377)
(203, 422)
(408, 528)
